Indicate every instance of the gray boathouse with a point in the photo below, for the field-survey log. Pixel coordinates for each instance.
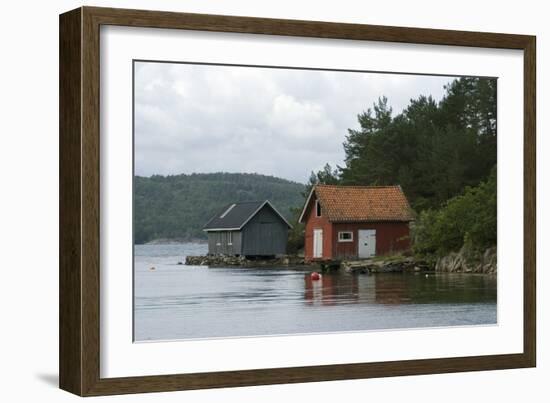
(248, 229)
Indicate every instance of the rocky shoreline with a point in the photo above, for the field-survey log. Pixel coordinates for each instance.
(242, 261)
(401, 265)
(363, 266)
(466, 261)
(455, 262)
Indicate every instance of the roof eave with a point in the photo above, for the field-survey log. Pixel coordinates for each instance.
(301, 219)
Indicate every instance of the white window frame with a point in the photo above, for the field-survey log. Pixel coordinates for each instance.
(229, 238)
(345, 232)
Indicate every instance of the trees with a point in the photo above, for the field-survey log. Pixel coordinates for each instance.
(468, 219)
(178, 206)
(442, 154)
(326, 176)
(433, 150)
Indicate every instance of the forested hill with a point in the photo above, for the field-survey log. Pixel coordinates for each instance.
(178, 206)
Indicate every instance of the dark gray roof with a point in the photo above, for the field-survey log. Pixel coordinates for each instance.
(235, 215)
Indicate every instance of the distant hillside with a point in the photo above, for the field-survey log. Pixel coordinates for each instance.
(177, 207)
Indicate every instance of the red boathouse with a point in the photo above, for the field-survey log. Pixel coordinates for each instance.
(349, 222)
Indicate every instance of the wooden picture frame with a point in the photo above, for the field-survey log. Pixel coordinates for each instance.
(79, 317)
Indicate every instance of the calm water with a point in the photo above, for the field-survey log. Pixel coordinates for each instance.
(180, 302)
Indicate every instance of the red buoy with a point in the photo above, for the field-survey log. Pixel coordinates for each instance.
(315, 276)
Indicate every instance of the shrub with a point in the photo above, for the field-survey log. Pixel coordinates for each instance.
(469, 219)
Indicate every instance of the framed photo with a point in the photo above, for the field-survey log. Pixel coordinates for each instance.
(248, 201)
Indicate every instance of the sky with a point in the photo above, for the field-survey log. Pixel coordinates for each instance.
(281, 122)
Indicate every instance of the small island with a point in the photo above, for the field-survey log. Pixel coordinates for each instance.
(357, 229)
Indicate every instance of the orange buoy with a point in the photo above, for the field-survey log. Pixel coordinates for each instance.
(315, 276)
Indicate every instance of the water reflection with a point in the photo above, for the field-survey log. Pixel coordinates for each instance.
(331, 289)
(186, 302)
(399, 288)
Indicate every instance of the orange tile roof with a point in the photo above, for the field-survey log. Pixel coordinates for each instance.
(363, 203)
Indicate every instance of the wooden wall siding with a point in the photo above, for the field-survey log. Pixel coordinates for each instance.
(265, 234)
(313, 222)
(390, 237)
(222, 238)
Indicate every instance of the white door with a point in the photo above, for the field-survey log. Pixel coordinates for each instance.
(367, 243)
(317, 243)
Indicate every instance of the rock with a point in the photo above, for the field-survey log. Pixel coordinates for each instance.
(393, 264)
(467, 261)
(227, 260)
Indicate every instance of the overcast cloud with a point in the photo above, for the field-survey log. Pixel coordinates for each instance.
(280, 122)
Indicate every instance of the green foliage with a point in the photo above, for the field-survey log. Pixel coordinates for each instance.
(178, 206)
(441, 154)
(433, 150)
(296, 239)
(469, 219)
(326, 176)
